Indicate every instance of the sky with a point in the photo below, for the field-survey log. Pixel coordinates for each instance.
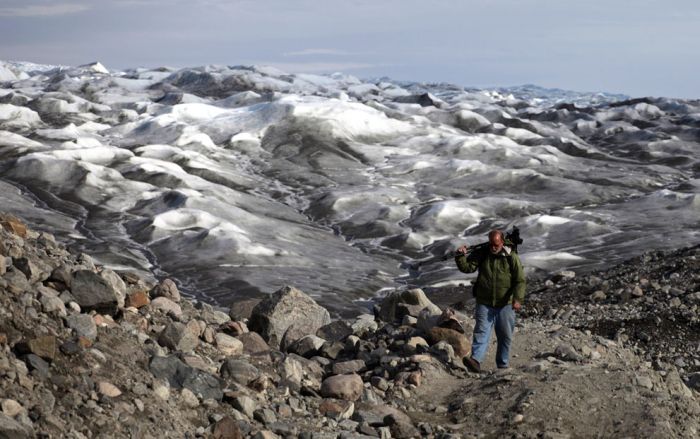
(639, 48)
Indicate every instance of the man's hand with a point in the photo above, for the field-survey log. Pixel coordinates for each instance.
(462, 250)
(516, 305)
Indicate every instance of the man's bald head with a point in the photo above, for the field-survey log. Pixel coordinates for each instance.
(496, 240)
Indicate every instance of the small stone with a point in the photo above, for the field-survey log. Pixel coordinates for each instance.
(11, 408)
(226, 428)
(517, 419)
(44, 347)
(644, 381)
(139, 405)
(567, 353)
(563, 276)
(637, 291)
(162, 392)
(189, 398)
(83, 325)
(70, 347)
(108, 389)
(598, 296)
(245, 404)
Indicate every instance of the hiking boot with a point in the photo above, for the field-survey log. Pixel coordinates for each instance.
(472, 364)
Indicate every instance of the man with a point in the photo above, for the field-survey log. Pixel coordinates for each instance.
(499, 290)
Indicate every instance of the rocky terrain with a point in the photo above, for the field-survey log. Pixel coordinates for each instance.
(87, 352)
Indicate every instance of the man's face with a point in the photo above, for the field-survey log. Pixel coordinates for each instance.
(495, 243)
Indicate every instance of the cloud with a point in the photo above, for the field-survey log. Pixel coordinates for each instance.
(312, 52)
(317, 67)
(42, 10)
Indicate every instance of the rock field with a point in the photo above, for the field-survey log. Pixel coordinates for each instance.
(86, 352)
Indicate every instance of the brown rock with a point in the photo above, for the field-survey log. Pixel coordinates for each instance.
(234, 328)
(336, 408)
(44, 347)
(226, 428)
(138, 299)
(457, 340)
(13, 225)
(104, 321)
(84, 342)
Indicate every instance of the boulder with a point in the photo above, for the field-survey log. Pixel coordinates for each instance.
(457, 340)
(363, 324)
(239, 371)
(374, 415)
(335, 331)
(307, 346)
(228, 345)
(296, 370)
(253, 343)
(13, 225)
(348, 387)
(337, 409)
(180, 337)
(286, 307)
(179, 375)
(409, 302)
(44, 346)
(117, 284)
(34, 269)
(226, 428)
(83, 325)
(346, 367)
(167, 289)
(137, 300)
(167, 306)
(243, 309)
(92, 292)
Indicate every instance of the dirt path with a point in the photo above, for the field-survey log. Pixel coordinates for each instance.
(562, 383)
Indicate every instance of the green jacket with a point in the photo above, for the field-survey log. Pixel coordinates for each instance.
(498, 281)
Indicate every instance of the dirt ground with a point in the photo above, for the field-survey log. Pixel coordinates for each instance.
(608, 392)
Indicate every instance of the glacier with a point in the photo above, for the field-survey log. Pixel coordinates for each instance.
(236, 180)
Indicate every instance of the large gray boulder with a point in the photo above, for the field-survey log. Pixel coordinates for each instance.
(286, 307)
(93, 292)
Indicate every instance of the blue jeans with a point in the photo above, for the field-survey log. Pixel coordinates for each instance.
(486, 318)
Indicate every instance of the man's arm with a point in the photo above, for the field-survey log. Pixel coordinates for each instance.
(466, 264)
(517, 287)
